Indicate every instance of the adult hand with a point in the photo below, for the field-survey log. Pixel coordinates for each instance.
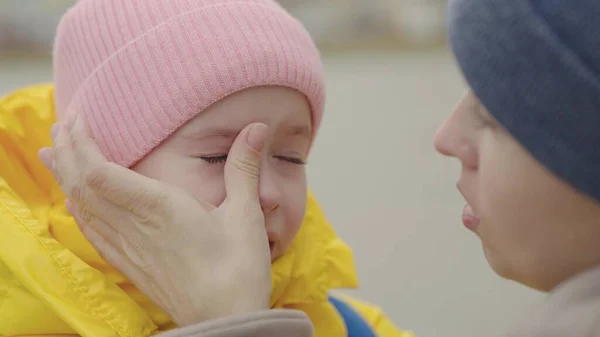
(196, 261)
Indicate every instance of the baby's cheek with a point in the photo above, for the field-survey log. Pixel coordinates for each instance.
(211, 191)
(206, 185)
(294, 221)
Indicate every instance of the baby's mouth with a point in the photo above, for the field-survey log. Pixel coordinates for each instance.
(273, 237)
(271, 247)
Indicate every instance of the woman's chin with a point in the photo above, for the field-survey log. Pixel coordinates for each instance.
(499, 265)
(520, 272)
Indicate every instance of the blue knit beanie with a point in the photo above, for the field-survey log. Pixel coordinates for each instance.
(535, 66)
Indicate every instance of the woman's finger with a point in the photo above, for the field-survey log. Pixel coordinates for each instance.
(87, 154)
(64, 166)
(115, 223)
(116, 258)
(242, 168)
(83, 145)
(242, 172)
(86, 219)
(106, 250)
(132, 191)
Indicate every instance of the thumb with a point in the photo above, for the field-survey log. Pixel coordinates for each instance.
(242, 168)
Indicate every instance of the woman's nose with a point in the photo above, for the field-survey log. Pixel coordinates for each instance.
(268, 190)
(443, 140)
(456, 138)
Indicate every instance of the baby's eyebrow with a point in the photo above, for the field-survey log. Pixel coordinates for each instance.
(211, 133)
(230, 133)
(297, 130)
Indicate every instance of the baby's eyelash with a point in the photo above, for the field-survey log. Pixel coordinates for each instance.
(215, 159)
(222, 159)
(292, 160)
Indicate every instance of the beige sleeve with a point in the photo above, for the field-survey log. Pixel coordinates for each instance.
(270, 323)
(571, 310)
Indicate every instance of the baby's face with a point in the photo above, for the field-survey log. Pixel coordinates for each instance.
(193, 158)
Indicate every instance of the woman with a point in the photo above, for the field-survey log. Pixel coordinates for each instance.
(526, 135)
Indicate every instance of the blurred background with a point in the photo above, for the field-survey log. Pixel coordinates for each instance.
(391, 82)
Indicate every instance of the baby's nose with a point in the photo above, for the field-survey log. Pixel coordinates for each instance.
(268, 191)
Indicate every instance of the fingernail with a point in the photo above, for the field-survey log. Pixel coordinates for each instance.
(257, 136)
(54, 131)
(69, 206)
(45, 155)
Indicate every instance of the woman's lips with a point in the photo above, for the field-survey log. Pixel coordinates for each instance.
(470, 220)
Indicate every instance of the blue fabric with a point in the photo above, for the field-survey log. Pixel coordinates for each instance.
(355, 324)
(535, 66)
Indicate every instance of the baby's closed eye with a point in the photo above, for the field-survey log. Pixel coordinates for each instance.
(221, 159)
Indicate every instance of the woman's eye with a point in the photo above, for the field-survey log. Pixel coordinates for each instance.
(292, 160)
(215, 159)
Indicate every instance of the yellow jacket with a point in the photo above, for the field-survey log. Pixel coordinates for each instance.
(53, 283)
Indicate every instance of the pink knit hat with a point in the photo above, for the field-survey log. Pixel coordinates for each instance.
(140, 69)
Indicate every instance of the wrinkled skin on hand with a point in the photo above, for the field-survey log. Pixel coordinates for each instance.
(196, 261)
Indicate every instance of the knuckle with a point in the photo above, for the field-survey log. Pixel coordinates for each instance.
(247, 165)
(75, 192)
(82, 211)
(140, 202)
(160, 201)
(59, 171)
(135, 247)
(151, 209)
(95, 178)
(144, 217)
(76, 143)
(86, 217)
(58, 151)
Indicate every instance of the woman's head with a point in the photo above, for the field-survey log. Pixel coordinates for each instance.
(526, 134)
(166, 85)
(534, 228)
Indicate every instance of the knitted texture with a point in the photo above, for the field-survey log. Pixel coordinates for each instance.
(535, 65)
(140, 69)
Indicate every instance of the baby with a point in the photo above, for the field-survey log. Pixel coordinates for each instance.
(166, 86)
